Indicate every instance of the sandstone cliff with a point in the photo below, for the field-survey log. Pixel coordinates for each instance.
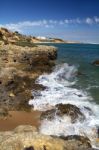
(19, 68)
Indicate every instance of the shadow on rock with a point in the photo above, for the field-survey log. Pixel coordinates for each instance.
(64, 109)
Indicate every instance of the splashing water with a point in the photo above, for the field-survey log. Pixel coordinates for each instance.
(59, 89)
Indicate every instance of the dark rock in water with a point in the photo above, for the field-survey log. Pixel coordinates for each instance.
(83, 140)
(96, 63)
(31, 140)
(77, 142)
(79, 95)
(89, 110)
(49, 114)
(78, 73)
(70, 110)
(64, 109)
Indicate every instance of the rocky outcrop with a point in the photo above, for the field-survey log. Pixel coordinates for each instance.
(3, 112)
(19, 68)
(12, 37)
(96, 63)
(64, 109)
(28, 138)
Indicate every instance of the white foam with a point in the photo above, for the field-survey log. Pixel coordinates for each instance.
(59, 89)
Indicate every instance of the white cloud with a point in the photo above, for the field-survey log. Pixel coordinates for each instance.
(78, 21)
(96, 19)
(61, 22)
(20, 26)
(66, 21)
(53, 21)
(89, 20)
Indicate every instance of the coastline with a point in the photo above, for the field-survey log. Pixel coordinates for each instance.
(19, 68)
(23, 128)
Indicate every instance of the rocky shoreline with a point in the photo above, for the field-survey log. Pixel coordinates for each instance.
(21, 63)
(19, 68)
(29, 138)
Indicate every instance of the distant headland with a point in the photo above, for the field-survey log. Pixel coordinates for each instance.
(7, 37)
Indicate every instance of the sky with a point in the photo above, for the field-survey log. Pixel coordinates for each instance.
(76, 20)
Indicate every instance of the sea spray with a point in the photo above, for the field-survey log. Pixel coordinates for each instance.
(60, 89)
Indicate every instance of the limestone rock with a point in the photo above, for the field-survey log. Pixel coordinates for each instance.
(3, 112)
(25, 128)
(19, 68)
(31, 140)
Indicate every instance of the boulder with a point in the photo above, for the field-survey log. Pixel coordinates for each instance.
(64, 109)
(48, 114)
(96, 63)
(31, 140)
(76, 140)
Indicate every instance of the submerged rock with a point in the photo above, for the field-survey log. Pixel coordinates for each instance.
(64, 109)
(49, 114)
(96, 63)
(31, 140)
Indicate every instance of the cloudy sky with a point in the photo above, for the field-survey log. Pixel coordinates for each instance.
(76, 20)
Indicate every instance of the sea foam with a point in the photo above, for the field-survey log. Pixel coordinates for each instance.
(60, 89)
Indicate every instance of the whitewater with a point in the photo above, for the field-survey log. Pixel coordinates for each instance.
(61, 88)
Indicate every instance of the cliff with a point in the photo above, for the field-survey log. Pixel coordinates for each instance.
(19, 68)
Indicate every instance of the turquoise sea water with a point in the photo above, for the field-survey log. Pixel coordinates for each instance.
(82, 55)
(64, 86)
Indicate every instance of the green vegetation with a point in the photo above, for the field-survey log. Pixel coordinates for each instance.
(25, 43)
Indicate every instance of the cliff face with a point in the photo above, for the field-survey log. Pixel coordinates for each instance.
(7, 37)
(19, 68)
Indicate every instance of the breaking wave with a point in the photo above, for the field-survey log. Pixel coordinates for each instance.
(60, 89)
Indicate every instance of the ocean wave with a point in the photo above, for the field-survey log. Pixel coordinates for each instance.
(59, 89)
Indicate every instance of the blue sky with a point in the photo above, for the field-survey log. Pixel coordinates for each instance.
(76, 20)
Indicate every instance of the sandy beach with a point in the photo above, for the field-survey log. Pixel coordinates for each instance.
(17, 118)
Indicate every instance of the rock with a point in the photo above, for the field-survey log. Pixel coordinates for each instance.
(30, 140)
(49, 114)
(25, 128)
(78, 73)
(11, 95)
(19, 68)
(3, 112)
(76, 140)
(64, 109)
(29, 148)
(96, 63)
(1, 43)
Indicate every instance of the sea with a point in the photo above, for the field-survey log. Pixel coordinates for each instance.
(74, 80)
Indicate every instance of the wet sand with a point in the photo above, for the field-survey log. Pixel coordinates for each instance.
(17, 118)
